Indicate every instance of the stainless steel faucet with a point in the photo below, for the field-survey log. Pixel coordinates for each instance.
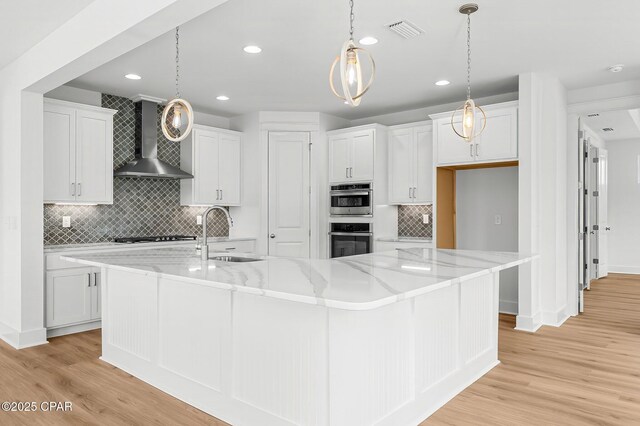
(204, 251)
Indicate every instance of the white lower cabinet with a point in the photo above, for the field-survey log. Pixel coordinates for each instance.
(73, 296)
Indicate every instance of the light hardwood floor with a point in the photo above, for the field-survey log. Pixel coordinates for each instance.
(585, 372)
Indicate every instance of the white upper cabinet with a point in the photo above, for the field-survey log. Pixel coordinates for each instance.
(214, 158)
(351, 156)
(498, 142)
(410, 164)
(78, 153)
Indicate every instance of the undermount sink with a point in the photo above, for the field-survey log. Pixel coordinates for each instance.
(228, 258)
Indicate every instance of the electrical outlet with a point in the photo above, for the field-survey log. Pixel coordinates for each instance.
(425, 219)
(66, 221)
(498, 219)
(199, 220)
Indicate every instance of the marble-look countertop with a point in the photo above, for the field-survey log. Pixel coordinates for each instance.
(111, 244)
(405, 239)
(361, 282)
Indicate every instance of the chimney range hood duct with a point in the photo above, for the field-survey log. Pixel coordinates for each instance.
(146, 163)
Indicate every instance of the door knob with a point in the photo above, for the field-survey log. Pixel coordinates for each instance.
(272, 235)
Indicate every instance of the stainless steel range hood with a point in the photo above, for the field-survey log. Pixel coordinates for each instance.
(147, 164)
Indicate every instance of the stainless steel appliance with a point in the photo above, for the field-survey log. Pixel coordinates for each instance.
(351, 200)
(348, 239)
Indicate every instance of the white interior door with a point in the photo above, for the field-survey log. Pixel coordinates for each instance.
(289, 231)
(602, 214)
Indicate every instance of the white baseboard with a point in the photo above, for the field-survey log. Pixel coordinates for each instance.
(508, 307)
(529, 324)
(555, 319)
(71, 329)
(624, 269)
(23, 339)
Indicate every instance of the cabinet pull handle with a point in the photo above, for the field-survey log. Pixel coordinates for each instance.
(95, 279)
(217, 194)
(477, 150)
(410, 192)
(414, 192)
(346, 172)
(79, 189)
(221, 196)
(73, 189)
(471, 150)
(351, 172)
(89, 279)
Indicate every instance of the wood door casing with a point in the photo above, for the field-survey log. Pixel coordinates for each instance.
(446, 208)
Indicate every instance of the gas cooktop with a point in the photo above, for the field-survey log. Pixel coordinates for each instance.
(131, 240)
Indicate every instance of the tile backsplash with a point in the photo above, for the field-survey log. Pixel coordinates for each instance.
(140, 206)
(410, 221)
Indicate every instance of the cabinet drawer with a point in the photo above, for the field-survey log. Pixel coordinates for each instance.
(237, 246)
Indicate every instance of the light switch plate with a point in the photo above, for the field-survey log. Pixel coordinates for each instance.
(498, 219)
(199, 220)
(425, 219)
(66, 221)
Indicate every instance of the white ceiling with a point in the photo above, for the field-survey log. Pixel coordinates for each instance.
(27, 22)
(625, 125)
(574, 40)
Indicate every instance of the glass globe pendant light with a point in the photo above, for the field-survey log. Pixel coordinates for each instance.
(349, 66)
(471, 113)
(177, 117)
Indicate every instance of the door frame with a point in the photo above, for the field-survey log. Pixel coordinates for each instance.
(269, 184)
(575, 111)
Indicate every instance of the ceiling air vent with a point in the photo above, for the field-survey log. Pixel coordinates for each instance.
(607, 129)
(405, 29)
(593, 115)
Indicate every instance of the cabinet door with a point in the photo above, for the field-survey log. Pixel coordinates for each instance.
(94, 157)
(499, 140)
(423, 142)
(69, 296)
(339, 158)
(59, 153)
(229, 169)
(96, 295)
(452, 149)
(361, 167)
(401, 161)
(205, 170)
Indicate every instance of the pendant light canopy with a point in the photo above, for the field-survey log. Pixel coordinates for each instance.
(474, 119)
(349, 66)
(177, 117)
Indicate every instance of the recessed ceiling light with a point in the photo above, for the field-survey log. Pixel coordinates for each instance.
(616, 68)
(222, 98)
(133, 76)
(443, 83)
(368, 40)
(252, 49)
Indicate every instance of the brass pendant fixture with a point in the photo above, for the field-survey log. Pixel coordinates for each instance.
(177, 117)
(350, 69)
(471, 112)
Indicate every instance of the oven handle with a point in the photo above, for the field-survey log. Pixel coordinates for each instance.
(350, 192)
(352, 234)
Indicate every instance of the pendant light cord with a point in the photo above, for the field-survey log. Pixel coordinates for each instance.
(177, 62)
(468, 56)
(351, 18)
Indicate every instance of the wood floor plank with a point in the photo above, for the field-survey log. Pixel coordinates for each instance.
(586, 372)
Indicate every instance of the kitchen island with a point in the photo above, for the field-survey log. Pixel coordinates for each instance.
(384, 338)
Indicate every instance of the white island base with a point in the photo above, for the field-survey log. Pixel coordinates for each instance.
(254, 360)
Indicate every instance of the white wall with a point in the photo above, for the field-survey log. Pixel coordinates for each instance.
(422, 114)
(481, 194)
(624, 206)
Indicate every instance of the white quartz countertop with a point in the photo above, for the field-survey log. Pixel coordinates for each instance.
(361, 282)
(405, 239)
(111, 244)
